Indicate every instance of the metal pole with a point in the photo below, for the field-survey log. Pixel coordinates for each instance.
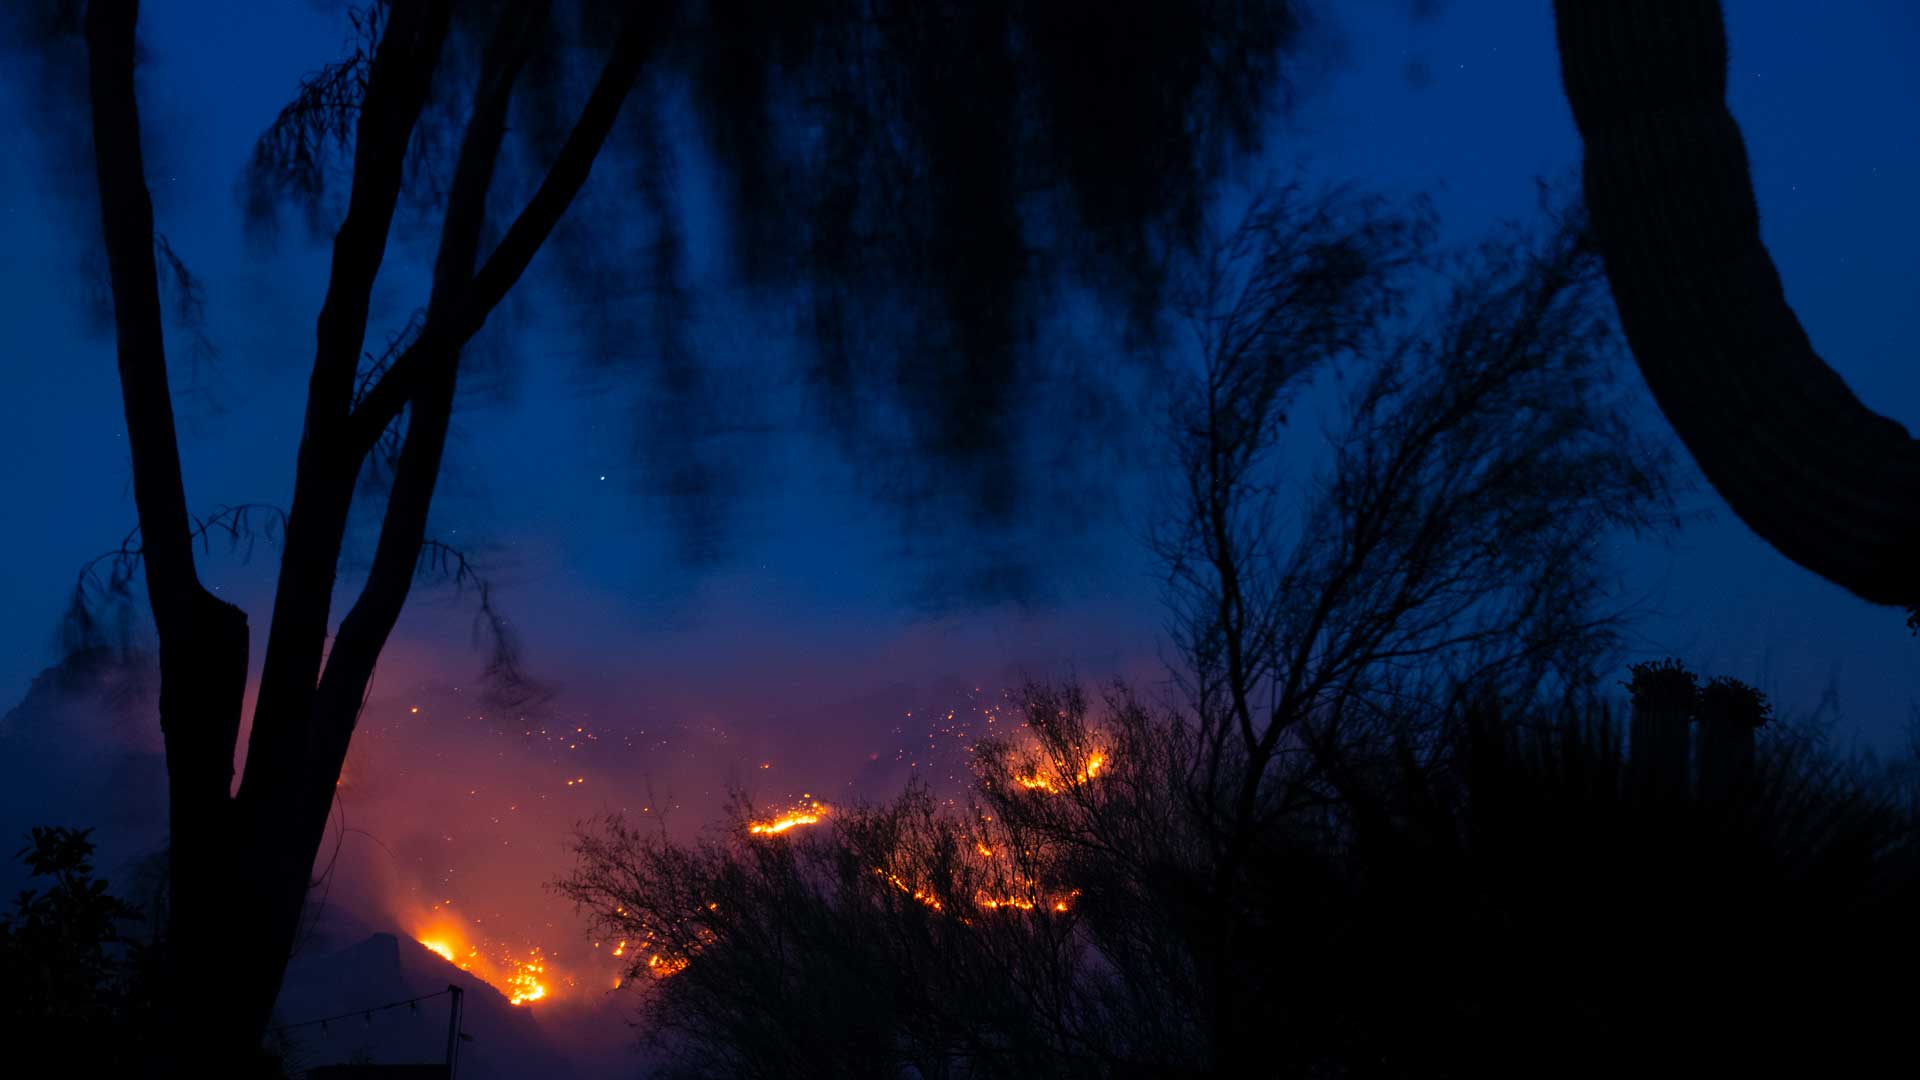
(453, 1030)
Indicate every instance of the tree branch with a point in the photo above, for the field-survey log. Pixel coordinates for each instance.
(364, 630)
(126, 218)
(506, 54)
(510, 259)
(397, 84)
(203, 640)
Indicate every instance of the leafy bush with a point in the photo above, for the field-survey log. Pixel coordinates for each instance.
(75, 973)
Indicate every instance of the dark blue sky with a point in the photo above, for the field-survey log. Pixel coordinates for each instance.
(812, 601)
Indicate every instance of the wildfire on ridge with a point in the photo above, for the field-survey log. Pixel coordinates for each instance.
(981, 899)
(807, 814)
(524, 983)
(921, 895)
(522, 977)
(1059, 777)
(668, 964)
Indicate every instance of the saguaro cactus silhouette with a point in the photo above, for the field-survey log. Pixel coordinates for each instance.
(1730, 712)
(1667, 759)
(1659, 740)
(1828, 482)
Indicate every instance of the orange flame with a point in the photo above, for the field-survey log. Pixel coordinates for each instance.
(522, 978)
(524, 983)
(921, 895)
(1053, 780)
(805, 815)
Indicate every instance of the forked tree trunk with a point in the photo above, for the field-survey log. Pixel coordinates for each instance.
(240, 862)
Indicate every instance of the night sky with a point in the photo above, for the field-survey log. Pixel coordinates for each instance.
(809, 592)
(813, 592)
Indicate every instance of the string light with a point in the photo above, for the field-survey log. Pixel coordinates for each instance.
(412, 1006)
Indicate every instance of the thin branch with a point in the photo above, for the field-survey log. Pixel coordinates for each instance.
(510, 259)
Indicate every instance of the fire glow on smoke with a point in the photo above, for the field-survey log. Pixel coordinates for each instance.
(510, 808)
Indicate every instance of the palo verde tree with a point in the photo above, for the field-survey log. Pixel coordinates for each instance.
(907, 173)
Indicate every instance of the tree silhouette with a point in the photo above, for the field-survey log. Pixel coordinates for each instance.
(1828, 482)
(951, 160)
(1452, 544)
(81, 977)
(1215, 891)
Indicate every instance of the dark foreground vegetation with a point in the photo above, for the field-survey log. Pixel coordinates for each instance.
(1503, 895)
(1387, 824)
(1392, 820)
(80, 962)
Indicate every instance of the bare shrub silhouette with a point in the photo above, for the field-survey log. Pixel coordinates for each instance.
(1393, 827)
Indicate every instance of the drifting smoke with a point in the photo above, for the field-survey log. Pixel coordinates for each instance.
(452, 817)
(82, 749)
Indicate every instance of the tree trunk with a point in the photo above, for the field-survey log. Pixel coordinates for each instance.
(238, 869)
(241, 863)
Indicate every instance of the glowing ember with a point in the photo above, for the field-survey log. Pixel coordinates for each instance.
(662, 967)
(1022, 903)
(524, 983)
